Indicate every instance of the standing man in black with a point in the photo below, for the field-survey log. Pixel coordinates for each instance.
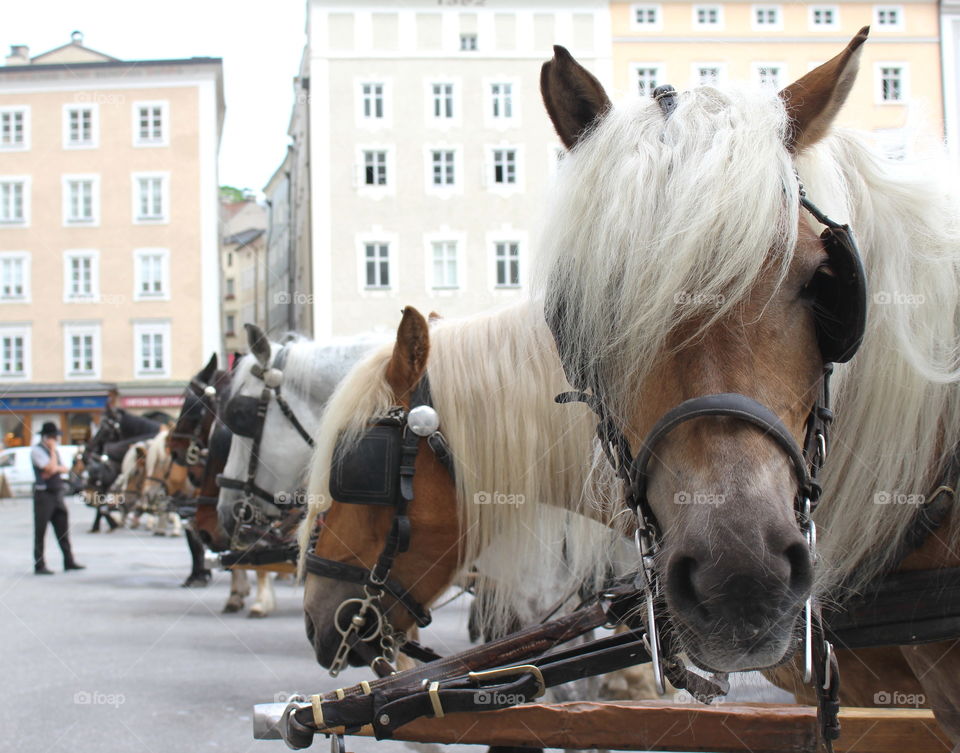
(48, 505)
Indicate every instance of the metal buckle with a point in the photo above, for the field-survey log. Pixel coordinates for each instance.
(519, 669)
(646, 546)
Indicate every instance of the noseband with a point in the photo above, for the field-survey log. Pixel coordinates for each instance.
(379, 471)
(840, 324)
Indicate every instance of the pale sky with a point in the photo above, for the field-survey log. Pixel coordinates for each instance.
(260, 41)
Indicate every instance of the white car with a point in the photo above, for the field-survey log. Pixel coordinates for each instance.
(15, 465)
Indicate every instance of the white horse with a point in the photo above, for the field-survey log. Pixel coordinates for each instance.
(310, 372)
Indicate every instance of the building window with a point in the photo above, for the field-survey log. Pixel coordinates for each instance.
(14, 276)
(507, 259)
(13, 201)
(231, 326)
(445, 264)
(376, 257)
(80, 127)
(151, 349)
(824, 16)
(647, 80)
(14, 128)
(14, 351)
(230, 289)
(468, 42)
(81, 200)
(150, 124)
(442, 161)
(80, 276)
(888, 17)
(82, 346)
(707, 75)
(151, 197)
(372, 97)
(707, 16)
(892, 83)
(769, 74)
(442, 101)
(375, 168)
(646, 17)
(501, 101)
(505, 166)
(767, 18)
(151, 269)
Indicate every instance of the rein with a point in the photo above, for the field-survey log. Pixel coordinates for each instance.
(363, 623)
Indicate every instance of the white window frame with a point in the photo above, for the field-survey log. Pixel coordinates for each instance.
(698, 25)
(375, 191)
(24, 258)
(26, 182)
(139, 254)
(135, 179)
(94, 256)
(637, 25)
(504, 189)
(145, 327)
(373, 123)
(458, 241)
(898, 26)
(84, 329)
(904, 82)
(755, 68)
(164, 106)
(24, 111)
(475, 47)
(94, 180)
(446, 190)
(502, 122)
(755, 25)
(635, 69)
(94, 142)
(811, 15)
(695, 73)
(443, 122)
(17, 330)
(507, 235)
(377, 235)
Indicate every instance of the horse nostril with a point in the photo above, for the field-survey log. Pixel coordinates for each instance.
(801, 568)
(684, 590)
(311, 630)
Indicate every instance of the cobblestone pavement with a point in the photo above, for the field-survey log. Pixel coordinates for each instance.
(118, 657)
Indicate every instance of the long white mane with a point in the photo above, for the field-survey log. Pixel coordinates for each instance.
(664, 224)
(521, 462)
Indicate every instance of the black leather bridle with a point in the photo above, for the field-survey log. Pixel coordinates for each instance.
(363, 623)
(208, 402)
(237, 415)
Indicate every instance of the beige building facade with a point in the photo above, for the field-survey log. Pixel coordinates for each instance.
(430, 151)
(899, 91)
(243, 257)
(108, 231)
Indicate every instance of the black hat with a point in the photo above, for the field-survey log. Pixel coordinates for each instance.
(50, 429)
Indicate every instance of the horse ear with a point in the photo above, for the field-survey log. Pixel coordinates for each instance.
(206, 374)
(409, 359)
(259, 344)
(574, 98)
(813, 101)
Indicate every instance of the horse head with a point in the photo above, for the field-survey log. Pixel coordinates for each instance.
(681, 270)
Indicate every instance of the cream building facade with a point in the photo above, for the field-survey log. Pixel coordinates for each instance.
(430, 151)
(109, 271)
(243, 256)
(899, 90)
